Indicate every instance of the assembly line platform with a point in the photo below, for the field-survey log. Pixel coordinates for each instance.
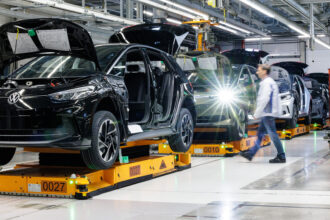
(33, 179)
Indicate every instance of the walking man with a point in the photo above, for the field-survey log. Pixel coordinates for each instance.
(268, 108)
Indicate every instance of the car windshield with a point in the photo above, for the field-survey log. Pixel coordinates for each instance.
(207, 70)
(66, 66)
(282, 78)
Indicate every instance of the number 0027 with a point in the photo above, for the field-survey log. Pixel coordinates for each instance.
(53, 186)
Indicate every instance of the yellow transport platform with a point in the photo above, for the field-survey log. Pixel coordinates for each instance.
(288, 134)
(32, 179)
(218, 149)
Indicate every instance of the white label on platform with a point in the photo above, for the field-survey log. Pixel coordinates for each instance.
(198, 150)
(34, 187)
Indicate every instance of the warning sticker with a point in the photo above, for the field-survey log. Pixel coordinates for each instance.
(163, 165)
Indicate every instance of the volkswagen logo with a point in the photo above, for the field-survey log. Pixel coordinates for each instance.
(13, 98)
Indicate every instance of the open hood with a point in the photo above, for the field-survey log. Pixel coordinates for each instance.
(320, 77)
(245, 56)
(165, 37)
(292, 67)
(46, 36)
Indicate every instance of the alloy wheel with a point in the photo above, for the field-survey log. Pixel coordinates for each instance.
(107, 140)
(186, 130)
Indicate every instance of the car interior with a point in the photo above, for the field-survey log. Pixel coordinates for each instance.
(137, 81)
(165, 84)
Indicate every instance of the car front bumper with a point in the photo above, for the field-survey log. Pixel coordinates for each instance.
(287, 108)
(46, 124)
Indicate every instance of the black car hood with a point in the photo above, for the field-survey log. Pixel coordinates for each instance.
(292, 67)
(45, 36)
(245, 56)
(165, 37)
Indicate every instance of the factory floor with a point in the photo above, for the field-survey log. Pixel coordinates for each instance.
(214, 188)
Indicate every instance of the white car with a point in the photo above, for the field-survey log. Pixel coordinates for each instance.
(295, 98)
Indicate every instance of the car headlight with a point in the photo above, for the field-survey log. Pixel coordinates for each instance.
(286, 97)
(73, 94)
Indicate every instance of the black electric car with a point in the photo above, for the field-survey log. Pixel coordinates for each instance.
(217, 89)
(76, 96)
(320, 105)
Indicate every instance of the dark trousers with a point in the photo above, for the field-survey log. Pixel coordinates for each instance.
(267, 126)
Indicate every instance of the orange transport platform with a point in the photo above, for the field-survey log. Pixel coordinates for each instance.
(32, 179)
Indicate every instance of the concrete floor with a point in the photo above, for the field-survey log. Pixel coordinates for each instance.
(214, 188)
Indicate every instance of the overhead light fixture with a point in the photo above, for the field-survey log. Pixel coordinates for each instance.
(166, 8)
(322, 43)
(257, 39)
(173, 21)
(226, 29)
(234, 27)
(303, 33)
(321, 35)
(203, 15)
(303, 36)
(148, 13)
(258, 8)
(80, 10)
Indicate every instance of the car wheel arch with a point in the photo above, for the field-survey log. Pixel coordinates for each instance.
(189, 103)
(111, 105)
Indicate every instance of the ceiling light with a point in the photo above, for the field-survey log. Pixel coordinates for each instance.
(203, 15)
(258, 8)
(80, 10)
(322, 43)
(148, 13)
(166, 8)
(257, 39)
(234, 27)
(226, 29)
(303, 36)
(304, 33)
(173, 21)
(321, 35)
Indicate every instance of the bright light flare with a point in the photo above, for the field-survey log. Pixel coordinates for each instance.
(227, 95)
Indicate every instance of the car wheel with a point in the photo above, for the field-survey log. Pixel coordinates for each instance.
(308, 119)
(6, 154)
(105, 142)
(324, 116)
(182, 141)
(292, 123)
(239, 128)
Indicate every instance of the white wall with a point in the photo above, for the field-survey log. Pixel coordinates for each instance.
(318, 59)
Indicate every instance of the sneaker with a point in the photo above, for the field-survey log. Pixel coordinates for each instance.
(246, 155)
(277, 160)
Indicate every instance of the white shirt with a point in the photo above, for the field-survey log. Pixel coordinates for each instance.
(268, 101)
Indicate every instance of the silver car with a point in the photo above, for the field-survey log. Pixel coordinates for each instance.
(295, 97)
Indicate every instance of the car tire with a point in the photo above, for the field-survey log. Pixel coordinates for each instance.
(324, 116)
(292, 123)
(6, 154)
(182, 140)
(105, 142)
(239, 128)
(308, 118)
